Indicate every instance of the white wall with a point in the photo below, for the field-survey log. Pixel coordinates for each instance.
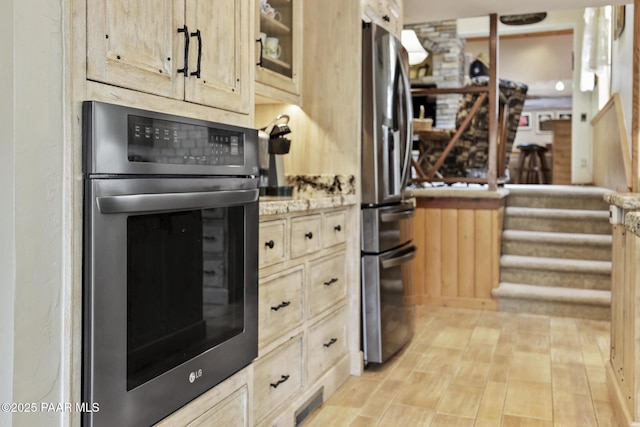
(581, 138)
(581, 172)
(7, 240)
(531, 59)
(622, 66)
(33, 181)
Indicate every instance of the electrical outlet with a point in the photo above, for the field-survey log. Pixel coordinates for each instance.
(616, 215)
(583, 163)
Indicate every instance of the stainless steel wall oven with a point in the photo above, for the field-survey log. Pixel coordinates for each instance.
(170, 260)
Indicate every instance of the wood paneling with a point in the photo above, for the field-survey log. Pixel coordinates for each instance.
(611, 151)
(561, 152)
(458, 259)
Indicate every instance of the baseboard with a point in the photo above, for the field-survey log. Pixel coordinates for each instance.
(459, 302)
(357, 363)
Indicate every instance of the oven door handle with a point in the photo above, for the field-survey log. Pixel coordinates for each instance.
(398, 257)
(134, 203)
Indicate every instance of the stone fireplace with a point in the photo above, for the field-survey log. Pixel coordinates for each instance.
(448, 66)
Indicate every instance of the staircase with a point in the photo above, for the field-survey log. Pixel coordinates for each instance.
(556, 252)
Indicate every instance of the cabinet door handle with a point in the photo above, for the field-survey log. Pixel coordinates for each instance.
(309, 235)
(270, 244)
(283, 304)
(185, 69)
(337, 228)
(330, 282)
(259, 41)
(199, 36)
(282, 379)
(331, 342)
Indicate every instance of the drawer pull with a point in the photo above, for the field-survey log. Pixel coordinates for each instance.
(331, 342)
(270, 244)
(283, 304)
(337, 228)
(282, 379)
(309, 235)
(330, 282)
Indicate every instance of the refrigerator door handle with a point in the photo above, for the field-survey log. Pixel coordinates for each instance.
(396, 214)
(398, 257)
(409, 123)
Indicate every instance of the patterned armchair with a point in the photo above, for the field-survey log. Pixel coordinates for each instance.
(469, 156)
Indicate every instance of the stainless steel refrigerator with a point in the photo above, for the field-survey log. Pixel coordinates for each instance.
(387, 253)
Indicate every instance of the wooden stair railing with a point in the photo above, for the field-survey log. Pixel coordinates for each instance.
(498, 122)
(503, 122)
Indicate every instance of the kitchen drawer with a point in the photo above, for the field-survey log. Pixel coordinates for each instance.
(333, 228)
(231, 411)
(271, 244)
(277, 377)
(305, 235)
(327, 344)
(280, 304)
(326, 284)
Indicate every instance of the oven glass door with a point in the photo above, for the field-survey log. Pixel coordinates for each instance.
(184, 286)
(170, 292)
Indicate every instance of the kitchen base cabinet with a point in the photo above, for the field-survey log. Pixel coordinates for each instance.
(227, 404)
(277, 377)
(304, 321)
(281, 304)
(327, 344)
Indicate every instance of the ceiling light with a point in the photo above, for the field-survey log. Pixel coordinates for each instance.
(559, 85)
(416, 51)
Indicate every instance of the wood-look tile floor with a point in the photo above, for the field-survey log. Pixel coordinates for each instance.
(470, 368)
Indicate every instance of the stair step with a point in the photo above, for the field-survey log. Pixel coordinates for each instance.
(557, 245)
(556, 264)
(557, 196)
(557, 220)
(573, 214)
(556, 301)
(553, 237)
(556, 252)
(545, 293)
(556, 272)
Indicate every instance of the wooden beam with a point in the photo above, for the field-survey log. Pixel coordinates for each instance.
(492, 176)
(528, 35)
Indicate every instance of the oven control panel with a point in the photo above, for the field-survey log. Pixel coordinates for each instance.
(162, 141)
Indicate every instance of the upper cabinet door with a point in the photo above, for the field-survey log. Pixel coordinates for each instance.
(279, 32)
(385, 13)
(135, 44)
(221, 54)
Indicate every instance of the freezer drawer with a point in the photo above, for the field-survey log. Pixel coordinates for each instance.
(387, 317)
(381, 226)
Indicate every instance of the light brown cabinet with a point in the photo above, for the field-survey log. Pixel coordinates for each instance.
(386, 13)
(197, 51)
(279, 38)
(227, 404)
(303, 322)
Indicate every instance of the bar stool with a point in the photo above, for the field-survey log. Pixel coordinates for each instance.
(532, 164)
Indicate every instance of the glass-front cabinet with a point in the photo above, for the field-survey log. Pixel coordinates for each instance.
(279, 51)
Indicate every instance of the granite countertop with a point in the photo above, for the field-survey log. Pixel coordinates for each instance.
(312, 192)
(632, 222)
(626, 201)
(458, 192)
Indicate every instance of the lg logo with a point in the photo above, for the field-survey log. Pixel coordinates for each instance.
(195, 375)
